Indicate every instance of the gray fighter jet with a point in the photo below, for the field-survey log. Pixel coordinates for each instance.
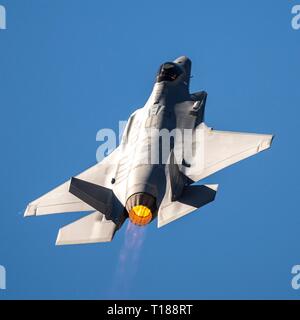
(148, 177)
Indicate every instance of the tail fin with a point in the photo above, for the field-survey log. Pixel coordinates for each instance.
(99, 226)
(100, 198)
(94, 195)
(175, 178)
(192, 198)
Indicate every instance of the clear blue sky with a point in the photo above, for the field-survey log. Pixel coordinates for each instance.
(71, 67)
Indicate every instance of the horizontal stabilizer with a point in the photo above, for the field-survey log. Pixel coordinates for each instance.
(93, 228)
(193, 197)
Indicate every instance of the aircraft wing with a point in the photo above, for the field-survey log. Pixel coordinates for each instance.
(61, 200)
(220, 149)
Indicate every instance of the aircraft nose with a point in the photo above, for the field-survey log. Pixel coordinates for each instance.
(186, 64)
(182, 59)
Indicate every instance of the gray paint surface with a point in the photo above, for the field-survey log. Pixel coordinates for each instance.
(124, 179)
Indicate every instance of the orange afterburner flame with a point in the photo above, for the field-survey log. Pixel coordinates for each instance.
(140, 215)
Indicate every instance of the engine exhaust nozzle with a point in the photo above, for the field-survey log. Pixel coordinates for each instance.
(140, 208)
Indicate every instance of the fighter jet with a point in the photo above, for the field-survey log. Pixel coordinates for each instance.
(142, 179)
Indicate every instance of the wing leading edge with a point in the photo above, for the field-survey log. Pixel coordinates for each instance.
(60, 200)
